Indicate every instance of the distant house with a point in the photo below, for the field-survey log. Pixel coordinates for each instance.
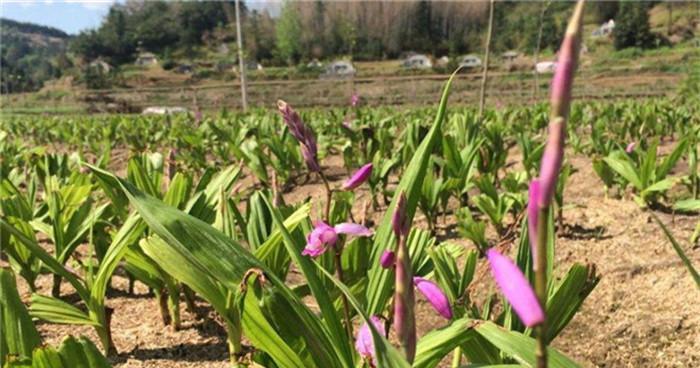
(184, 69)
(339, 69)
(146, 59)
(164, 110)
(314, 64)
(417, 61)
(223, 49)
(470, 61)
(605, 29)
(544, 67)
(510, 56)
(100, 65)
(253, 65)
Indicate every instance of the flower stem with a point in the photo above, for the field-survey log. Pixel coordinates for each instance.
(540, 269)
(336, 256)
(329, 197)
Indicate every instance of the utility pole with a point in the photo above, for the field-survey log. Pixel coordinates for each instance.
(241, 63)
(536, 89)
(484, 77)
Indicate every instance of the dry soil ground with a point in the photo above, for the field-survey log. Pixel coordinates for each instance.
(645, 312)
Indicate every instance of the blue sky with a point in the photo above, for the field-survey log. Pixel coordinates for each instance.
(67, 15)
(73, 16)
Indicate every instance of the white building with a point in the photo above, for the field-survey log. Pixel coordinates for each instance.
(417, 61)
(470, 61)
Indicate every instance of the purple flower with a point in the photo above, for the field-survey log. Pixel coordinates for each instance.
(359, 177)
(532, 213)
(363, 341)
(324, 235)
(563, 78)
(551, 161)
(302, 133)
(630, 147)
(354, 99)
(309, 156)
(399, 221)
(516, 288)
(435, 296)
(387, 259)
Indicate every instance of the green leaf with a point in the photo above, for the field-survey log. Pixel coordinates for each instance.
(679, 250)
(222, 259)
(436, 344)
(687, 205)
(19, 336)
(306, 265)
(379, 288)
(568, 297)
(520, 347)
(670, 161)
(51, 263)
(385, 354)
(57, 311)
(624, 168)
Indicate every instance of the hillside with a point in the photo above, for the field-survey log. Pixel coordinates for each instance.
(31, 54)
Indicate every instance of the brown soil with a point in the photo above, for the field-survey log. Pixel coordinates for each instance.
(644, 312)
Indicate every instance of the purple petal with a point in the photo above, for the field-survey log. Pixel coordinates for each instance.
(532, 213)
(352, 229)
(435, 296)
(363, 341)
(359, 177)
(321, 236)
(310, 158)
(630, 147)
(516, 288)
(387, 259)
(354, 100)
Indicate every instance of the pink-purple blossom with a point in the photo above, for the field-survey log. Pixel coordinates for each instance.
(630, 147)
(302, 133)
(363, 341)
(516, 288)
(324, 235)
(387, 259)
(434, 295)
(360, 176)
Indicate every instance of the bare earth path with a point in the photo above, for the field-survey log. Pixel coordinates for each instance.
(645, 312)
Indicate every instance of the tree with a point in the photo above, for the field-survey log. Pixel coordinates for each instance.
(289, 34)
(632, 26)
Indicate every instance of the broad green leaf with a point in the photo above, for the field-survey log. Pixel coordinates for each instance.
(331, 319)
(223, 259)
(386, 355)
(624, 168)
(436, 344)
(50, 262)
(520, 347)
(18, 335)
(57, 311)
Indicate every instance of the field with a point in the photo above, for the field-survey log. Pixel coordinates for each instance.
(523, 234)
(638, 314)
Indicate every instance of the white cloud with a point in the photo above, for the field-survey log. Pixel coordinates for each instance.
(93, 4)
